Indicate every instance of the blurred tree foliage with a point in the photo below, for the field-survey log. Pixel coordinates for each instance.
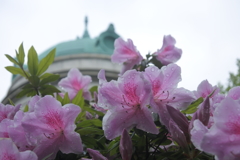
(233, 80)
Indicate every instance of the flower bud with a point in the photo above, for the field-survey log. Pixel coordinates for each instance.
(125, 146)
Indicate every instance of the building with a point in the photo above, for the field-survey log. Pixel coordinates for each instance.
(87, 54)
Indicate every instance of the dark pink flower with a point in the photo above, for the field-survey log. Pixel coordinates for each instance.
(74, 82)
(127, 101)
(9, 151)
(168, 53)
(51, 127)
(126, 53)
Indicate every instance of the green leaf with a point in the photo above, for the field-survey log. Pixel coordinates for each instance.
(90, 122)
(46, 62)
(11, 102)
(48, 90)
(113, 146)
(78, 99)
(59, 98)
(11, 59)
(50, 78)
(156, 62)
(192, 108)
(15, 70)
(32, 61)
(21, 55)
(45, 75)
(26, 92)
(25, 108)
(93, 89)
(89, 141)
(66, 99)
(34, 81)
(89, 131)
(92, 111)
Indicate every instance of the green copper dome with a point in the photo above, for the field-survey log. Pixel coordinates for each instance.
(104, 44)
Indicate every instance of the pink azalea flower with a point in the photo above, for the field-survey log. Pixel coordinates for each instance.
(126, 53)
(234, 93)
(32, 103)
(164, 86)
(51, 127)
(8, 151)
(17, 133)
(165, 92)
(168, 53)
(126, 100)
(223, 138)
(204, 89)
(74, 82)
(8, 111)
(4, 124)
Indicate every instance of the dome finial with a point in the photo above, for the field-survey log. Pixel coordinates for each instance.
(86, 22)
(85, 34)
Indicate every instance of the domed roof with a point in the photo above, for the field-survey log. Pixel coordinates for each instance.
(104, 44)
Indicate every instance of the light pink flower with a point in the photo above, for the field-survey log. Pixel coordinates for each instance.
(164, 83)
(17, 133)
(4, 124)
(204, 89)
(223, 138)
(32, 102)
(168, 53)
(74, 82)
(165, 92)
(126, 53)
(51, 127)
(8, 111)
(127, 101)
(9, 151)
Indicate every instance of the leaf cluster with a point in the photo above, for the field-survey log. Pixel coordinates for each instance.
(34, 72)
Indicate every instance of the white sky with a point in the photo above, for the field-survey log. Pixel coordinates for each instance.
(208, 31)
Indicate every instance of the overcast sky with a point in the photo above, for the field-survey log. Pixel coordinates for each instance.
(208, 31)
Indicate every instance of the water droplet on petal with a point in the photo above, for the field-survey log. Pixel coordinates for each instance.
(153, 69)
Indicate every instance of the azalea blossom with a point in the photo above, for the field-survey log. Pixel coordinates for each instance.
(8, 111)
(126, 54)
(17, 133)
(127, 101)
(51, 128)
(74, 82)
(9, 151)
(223, 138)
(168, 53)
(164, 83)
